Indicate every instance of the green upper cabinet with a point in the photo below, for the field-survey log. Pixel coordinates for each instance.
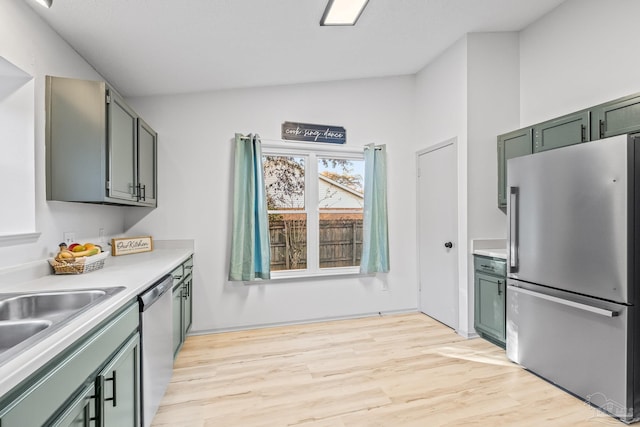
(616, 117)
(510, 145)
(567, 130)
(97, 148)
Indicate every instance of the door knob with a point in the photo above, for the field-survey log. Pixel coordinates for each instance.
(448, 245)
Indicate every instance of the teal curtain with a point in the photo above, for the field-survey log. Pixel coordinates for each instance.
(250, 249)
(375, 246)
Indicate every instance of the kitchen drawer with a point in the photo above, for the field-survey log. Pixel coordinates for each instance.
(188, 266)
(488, 265)
(177, 274)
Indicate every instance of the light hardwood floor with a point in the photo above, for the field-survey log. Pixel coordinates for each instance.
(390, 371)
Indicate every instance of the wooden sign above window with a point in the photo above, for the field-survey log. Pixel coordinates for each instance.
(313, 133)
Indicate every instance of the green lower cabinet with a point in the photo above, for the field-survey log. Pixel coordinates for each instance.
(182, 305)
(182, 313)
(72, 389)
(120, 387)
(177, 319)
(490, 300)
(188, 304)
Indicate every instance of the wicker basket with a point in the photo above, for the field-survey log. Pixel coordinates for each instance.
(79, 265)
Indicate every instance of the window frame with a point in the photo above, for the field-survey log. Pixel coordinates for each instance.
(312, 152)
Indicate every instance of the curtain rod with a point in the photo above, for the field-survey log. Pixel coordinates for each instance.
(364, 147)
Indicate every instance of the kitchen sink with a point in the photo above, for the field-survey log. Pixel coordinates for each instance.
(13, 333)
(47, 304)
(26, 318)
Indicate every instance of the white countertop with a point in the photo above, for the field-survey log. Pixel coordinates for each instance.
(134, 272)
(492, 252)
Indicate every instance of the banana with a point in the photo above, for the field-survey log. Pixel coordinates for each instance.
(88, 252)
(65, 255)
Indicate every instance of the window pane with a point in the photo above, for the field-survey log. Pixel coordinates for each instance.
(288, 234)
(340, 203)
(340, 239)
(341, 183)
(284, 180)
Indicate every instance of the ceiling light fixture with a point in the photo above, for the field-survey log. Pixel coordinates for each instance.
(45, 3)
(343, 12)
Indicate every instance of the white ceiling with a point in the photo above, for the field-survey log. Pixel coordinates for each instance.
(146, 47)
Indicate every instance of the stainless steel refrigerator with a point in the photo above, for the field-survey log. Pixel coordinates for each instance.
(573, 247)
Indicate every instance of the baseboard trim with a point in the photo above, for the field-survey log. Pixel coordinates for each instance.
(300, 322)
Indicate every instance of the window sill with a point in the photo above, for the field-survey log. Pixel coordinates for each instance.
(18, 239)
(289, 276)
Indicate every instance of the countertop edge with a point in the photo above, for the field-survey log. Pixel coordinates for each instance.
(494, 253)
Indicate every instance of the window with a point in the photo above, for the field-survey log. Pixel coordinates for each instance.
(17, 163)
(315, 204)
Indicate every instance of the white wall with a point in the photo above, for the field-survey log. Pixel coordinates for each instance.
(32, 46)
(441, 114)
(471, 92)
(195, 185)
(583, 53)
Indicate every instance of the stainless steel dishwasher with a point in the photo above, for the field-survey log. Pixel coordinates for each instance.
(156, 325)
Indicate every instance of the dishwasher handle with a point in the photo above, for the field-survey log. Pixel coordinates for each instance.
(154, 292)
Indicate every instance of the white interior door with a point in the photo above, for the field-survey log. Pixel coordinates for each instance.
(437, 232)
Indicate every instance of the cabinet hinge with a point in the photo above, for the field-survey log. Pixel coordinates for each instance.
(108, 185)
(108, 97)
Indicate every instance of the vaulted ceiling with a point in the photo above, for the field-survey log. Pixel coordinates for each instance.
(147, 47)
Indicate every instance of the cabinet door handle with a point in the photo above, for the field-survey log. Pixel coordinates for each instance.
(87, 412)
(583, 130)
(99, 418)
(499, 287)
(113, 389)
(143, 190)
(601, 128)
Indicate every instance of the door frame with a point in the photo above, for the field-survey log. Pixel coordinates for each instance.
(454, 142)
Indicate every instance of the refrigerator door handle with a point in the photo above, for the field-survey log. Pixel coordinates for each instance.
(569, 303)
(513, 229)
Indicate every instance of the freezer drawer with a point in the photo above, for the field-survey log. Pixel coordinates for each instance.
(577, 343)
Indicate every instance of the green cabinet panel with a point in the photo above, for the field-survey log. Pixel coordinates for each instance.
(489, 305)
(81, 412)
(52, 390)
(121, 136)
(120, 387)
(616, 117)
(187, 316)
(567, 130)
(177, 319)
(510, 145)
(182, 303)
(490, 288)
(147, 168)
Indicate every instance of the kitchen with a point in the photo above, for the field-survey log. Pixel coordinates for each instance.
(488, 84)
